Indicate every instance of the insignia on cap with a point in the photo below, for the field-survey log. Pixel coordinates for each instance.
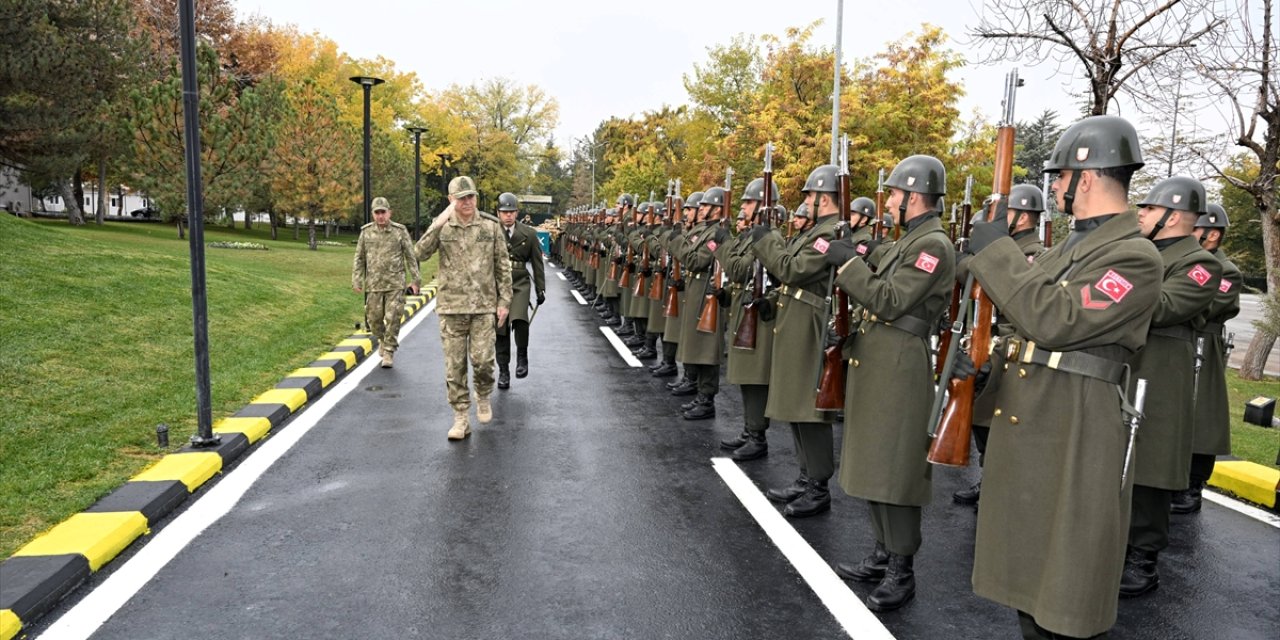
(1024, 202)
(1177, 197)
(1082, 154)
(821, 180)
(1213, 218)
(911, 180)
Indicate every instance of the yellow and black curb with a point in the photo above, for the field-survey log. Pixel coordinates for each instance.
(1247, 480)
(38, 575)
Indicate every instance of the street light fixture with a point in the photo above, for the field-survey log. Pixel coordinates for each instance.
(417, 132)
(368, 83)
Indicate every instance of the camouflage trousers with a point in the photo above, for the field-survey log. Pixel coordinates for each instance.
(467, 335)
(382, 313)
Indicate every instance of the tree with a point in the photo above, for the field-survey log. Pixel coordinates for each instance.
(1243, 242)
(725, 85)
(1111, 42)
(1243, 76)
(1035, 140)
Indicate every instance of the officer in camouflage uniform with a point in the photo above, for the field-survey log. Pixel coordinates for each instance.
(1162, 456)
(799, 338)
(1026, 203)
(474, 281)
(1055, 495)
(885, 446)
(383, 260)
(749, 368)
(526, 255)
(1212, 420)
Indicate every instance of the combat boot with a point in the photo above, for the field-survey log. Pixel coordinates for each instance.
(686, 388)
(699, 399)
(676, 383)
(756, 447)
(388, 359)
(522, 365)
(632, 341)
(736, 441)
(484, 411)
(968, 496)
(1188, 500)
(665, 371)
(869, 569)
(816, 499)
(504, 377)
(625, 330)
(791, 491)
(644, 353)
(897, 587)
(704, 410)
(1140, 573)
(461, 425)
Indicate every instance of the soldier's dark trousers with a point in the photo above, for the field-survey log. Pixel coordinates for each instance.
(706, 376)
(669, 352)
(1149, 519)
(503, 346)
(980, 434)
(816, 444)
(1201, 468)
(1033, 631)
(795, 437)
(897, 527)
(754, 399)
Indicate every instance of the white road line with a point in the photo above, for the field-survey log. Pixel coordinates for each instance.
(619, 347)
(114, 592)
(561, 276)
(578, 296)
(1248, 510)
(845, 606)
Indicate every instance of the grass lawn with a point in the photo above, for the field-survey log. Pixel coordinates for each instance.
(96, 348)
(1248, 441)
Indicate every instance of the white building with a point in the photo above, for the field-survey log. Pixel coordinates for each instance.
(17, 197)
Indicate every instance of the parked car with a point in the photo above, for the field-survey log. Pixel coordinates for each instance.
(145, 212)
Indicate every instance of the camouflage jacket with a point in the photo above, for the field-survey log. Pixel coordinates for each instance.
(475, 268)
(383, 257)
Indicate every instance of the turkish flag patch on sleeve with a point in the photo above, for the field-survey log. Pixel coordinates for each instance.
(1200, 274)
(820, 245)
(1113, 285)
(1225, 286)
(926, 263)
(711, 245)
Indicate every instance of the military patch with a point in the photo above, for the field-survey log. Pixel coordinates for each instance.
(861, 249)
(1113, 285)
(820, 245)
(694, 239)
(926, 262)
(1225, 286)
(1082, 154)
(712, 245)
(1200, 275)
(1087, 301)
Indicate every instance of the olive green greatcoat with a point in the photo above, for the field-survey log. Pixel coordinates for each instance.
(1054, 520)
(799, 332)
(698, 259)
(656, 321)
(985, 401)
(674, 243)
(1162, 455)
(745, 366)
(1213, 419)
(884, 453)
(526, 255)
(609, 243)
(638, 240)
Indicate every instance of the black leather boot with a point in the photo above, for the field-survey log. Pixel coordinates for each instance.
(704, 410)
(522, 365)
(816, 499)
(755, 448)
(897, 587)
(625, 329)
(699, 399)
(633, 341)
(789, 492)
(1187, 500)
(869, 569)
(1140, 575)
(686, 388)
(683, 379)
(665, 371)
(968, 496)
(736, 441)
(504, 377)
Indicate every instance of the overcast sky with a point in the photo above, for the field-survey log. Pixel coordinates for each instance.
(602, 59)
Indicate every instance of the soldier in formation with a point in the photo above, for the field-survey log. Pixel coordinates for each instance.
(384, 260)
(528, 288)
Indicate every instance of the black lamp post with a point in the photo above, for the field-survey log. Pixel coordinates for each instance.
(445, 159)
(368, 83)
(417, 179)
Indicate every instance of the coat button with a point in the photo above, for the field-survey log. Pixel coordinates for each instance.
(1006, 366)
(855, 362)
(775, 331)
(997, 412)
(1013, 419)
(1022, 373)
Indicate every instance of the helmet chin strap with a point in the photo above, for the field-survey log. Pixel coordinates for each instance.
(902, 209)
(1014, 222)
(1069, 197)
(1164, 219)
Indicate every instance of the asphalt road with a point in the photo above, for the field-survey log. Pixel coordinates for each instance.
(588, 509)
(1242, 326)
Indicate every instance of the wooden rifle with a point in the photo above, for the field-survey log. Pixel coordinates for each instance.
(1046, 217)
(877, 231)
(709, 316)
(624, 274)
(657, 286)
(957, 291)
(831, 379)
(671, 308)
(951, 436)
(744, 337)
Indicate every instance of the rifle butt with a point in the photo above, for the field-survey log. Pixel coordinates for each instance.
(832, 381)
(657, 287)
(709, 316)
(745, 335)
(950, 446)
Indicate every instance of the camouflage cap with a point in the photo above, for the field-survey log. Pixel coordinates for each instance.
(462, 186)
(380, 204)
